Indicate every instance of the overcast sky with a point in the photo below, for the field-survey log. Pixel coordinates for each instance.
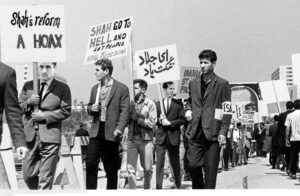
(251, 37)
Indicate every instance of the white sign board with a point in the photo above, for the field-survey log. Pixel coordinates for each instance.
(108, 40)
(187, 73)
(274, 91)
(33, 33)
(157, 65)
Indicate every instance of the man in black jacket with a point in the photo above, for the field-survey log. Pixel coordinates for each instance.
(168, 135)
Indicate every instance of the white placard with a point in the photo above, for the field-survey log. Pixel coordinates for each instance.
(33, 33)
(157, 65)
(187, 73)
(108, 40)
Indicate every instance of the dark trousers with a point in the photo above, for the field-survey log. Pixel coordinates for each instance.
(286, 151)
(275, 157)
(203, 153)
(40, 164)
(173, 151)
(108, 151)
(227, 152)
(295, 147)
(234, 154)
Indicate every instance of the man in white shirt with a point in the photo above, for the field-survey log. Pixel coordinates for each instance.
(292, 124)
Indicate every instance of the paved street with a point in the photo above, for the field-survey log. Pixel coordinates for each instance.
(260, 176)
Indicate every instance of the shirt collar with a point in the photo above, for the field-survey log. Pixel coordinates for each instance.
(109, 83)
(48, 82)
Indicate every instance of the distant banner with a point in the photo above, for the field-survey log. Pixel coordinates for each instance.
(157, 65)
(33, 33)
(187, 73)
(108, 40)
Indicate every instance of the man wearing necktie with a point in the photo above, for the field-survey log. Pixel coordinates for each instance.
(168, 135)
(54, 101)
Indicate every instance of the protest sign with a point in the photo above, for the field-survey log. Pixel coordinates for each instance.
(33, 33)
(108, 40)
(157, 65)
(187, 73)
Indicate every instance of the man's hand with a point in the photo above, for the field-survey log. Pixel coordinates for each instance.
(287, 143)
(38, 116)
(188, 115)
(33, 100)
(117, 133)
(21, 152)
(95, 108)
(162, 117)
(149, 123)
(134, 116)
(221, 139)
(165, 122)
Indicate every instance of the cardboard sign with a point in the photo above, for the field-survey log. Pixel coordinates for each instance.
(108, 40)
(33, 33)
(157, 65)
(187, 73)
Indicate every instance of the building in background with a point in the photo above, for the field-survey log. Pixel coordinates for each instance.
(284, 73)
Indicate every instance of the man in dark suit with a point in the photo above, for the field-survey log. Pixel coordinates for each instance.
(209, 110)
(9, 103)
(54, 103)
(168, 135)
(111, 115)
(283, 149)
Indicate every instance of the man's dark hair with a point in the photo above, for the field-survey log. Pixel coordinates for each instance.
(289, 105)
(238, 124)
(167, 84)
(297, 104)
(276, 118)
(142, 83)
(105, 64)
(208, 54)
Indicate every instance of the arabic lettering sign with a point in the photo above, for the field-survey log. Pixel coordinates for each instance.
(157, 65)
(187, 73)
(108, 40)
(33, 33)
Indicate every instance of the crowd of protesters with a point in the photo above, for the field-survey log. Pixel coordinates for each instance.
(198, 134)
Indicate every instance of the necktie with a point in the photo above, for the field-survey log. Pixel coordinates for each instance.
(41, 92)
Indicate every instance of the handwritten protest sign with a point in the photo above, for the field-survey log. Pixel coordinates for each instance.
(33, 33)
(187, 73)
(108, 40)
(157, 65)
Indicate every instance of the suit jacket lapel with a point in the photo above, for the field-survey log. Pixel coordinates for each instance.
(112, 91)
(210, 87)
(50, 88)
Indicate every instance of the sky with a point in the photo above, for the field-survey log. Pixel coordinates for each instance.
(251, 37)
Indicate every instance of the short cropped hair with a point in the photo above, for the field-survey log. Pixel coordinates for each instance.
(297, 104)
(276, 118)
(167, 84)
(142, 83)
(208, 54)
(289, 105)
(105, 64)
(238, 124)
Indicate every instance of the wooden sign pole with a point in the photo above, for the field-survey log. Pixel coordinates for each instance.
(35, 90)
(160, 98)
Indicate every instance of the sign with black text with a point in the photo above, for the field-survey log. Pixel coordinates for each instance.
(33, 33)
(187, 73)
(108, 40)
(157, 65)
